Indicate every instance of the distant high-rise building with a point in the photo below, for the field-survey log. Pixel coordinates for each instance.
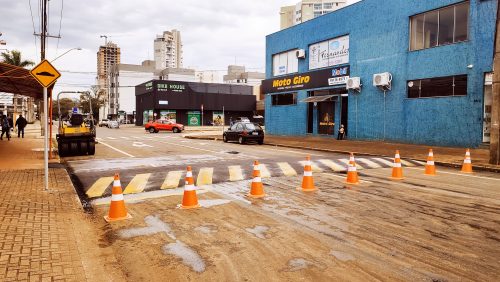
(107, 56)
(168, 50)
(306, 10)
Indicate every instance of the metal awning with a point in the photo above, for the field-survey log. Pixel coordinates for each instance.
(17, 80)
(322, 98)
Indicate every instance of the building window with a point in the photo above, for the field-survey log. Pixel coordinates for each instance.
(317, 14)
(285, 63)
(327, 5)
(439, 27)
(438, 87)
(284, 99)
(317, 6)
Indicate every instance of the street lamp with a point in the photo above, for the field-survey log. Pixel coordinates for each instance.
(76, 48)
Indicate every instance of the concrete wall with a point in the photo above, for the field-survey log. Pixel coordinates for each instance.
(379, 42)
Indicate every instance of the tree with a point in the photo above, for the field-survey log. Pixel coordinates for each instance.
(67, 105)
(14, 58)
(95, 98)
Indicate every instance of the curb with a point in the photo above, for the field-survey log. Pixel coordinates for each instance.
(446, 164)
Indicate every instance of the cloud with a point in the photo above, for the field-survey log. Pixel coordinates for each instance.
(214, 33)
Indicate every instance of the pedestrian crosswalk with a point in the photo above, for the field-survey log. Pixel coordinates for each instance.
(232, 172)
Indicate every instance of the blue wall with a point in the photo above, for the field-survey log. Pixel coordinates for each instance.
(379, 41)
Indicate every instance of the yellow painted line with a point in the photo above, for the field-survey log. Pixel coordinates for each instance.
(98, 188)
(172, 179)
(264, 172)
(314, 166)
(287, 169)
(369, 163)
(334, 166)
(346, 161)
(235, 173)
(137, 184)
(205, 176)
(407, 163)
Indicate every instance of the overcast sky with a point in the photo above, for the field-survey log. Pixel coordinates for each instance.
(214, 33)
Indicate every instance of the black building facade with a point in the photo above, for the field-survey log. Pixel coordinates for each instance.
(193, 103)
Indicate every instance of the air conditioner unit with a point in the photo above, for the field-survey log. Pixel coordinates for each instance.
(353, 83)
(301, 53)
(382, 79)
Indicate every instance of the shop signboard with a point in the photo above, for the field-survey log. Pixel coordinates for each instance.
(194, 118)
(309, 80)
(329, 53)
(218, 118)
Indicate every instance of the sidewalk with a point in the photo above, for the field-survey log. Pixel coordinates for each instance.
(447, 156)
(44, 235)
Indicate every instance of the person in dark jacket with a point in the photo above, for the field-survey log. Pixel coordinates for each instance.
(21, 124)
(5, 127)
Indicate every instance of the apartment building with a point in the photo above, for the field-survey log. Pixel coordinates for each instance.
(107, 56)
(306, 10)
(168, 50)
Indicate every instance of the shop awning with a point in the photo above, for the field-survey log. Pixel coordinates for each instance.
(17, 80)
(323, 98)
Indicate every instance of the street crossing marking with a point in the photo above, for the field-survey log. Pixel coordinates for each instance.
(346, 162)
(172, 179)
(137, 184)
(334, 166)
(287, 169)
(407, 163)
(112, 138)
(264, 172)
(384, 161)
(205, 176)
(368, 162)
(98, 188)
(314, 166)
(235, 173)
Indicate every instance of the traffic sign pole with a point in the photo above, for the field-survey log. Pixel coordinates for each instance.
(45, 140)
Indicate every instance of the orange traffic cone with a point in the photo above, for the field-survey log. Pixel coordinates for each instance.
(397, 170)
(352, 173)
(467, 166)
(307, 179)
(189, 200)
(430, 168)
(117, 210)
(256, 188)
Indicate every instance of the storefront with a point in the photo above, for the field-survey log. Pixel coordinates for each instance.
(417, 73)
(193, 104)
(326, 99)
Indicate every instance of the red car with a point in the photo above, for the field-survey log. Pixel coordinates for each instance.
(163, 124)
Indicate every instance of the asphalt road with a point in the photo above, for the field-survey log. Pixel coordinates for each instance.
(148, 161)
(423, 228)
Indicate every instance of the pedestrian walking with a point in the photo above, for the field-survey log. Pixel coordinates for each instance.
(21, 124)
(341, 133)
(5, 127)
(231, 121)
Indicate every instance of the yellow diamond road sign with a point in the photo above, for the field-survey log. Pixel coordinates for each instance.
(45, 73)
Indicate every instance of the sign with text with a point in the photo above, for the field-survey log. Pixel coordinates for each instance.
(329, 53)
(308, 80)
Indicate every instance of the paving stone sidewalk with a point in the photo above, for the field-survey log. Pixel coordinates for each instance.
(37, 240)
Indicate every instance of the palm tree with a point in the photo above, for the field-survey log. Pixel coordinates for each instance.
(14, 58)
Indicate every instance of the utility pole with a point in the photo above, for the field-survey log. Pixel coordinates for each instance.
(495, 105)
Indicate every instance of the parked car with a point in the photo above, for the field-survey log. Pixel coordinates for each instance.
(113, 124)
(103, 122)
(244, 132)
(242, 119)
(163, 124)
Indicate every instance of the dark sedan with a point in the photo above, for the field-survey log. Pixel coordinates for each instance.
(244, 132)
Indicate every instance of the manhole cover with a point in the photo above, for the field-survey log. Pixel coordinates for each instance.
(233, 152)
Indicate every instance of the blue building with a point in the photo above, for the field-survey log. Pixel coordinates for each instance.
(424, 69)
